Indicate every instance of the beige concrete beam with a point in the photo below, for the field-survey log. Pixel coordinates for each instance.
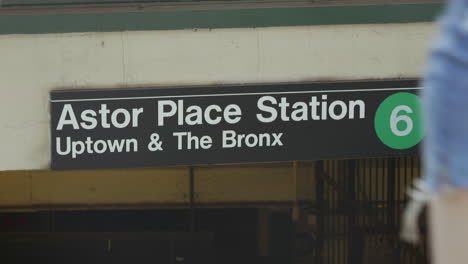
(263, 183)
(219, 186)
(140, 186)
(15, 189)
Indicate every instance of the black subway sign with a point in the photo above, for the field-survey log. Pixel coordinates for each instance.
(142, 127)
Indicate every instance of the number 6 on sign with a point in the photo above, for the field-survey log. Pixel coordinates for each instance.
(394, 119)
(398, 121)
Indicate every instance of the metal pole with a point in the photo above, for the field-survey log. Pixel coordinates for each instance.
(192, 199)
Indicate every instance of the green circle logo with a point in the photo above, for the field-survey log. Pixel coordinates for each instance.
(398, 121)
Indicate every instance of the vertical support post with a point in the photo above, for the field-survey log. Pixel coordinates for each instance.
(295, 207)
(355, 236)
(320, 210)
(295, 212)
(192, 198)
(391, 194)
(263, 232)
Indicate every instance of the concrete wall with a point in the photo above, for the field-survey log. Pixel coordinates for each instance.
(33, 65)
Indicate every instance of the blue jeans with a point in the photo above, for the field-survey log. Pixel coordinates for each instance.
(445, 102)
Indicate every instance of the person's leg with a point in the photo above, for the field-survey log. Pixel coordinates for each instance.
(448, 221)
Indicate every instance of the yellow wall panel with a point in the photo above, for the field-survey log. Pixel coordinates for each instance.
(255, 183)
(15, 188)
(244, 184)
(111, 186)
(167, 187)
